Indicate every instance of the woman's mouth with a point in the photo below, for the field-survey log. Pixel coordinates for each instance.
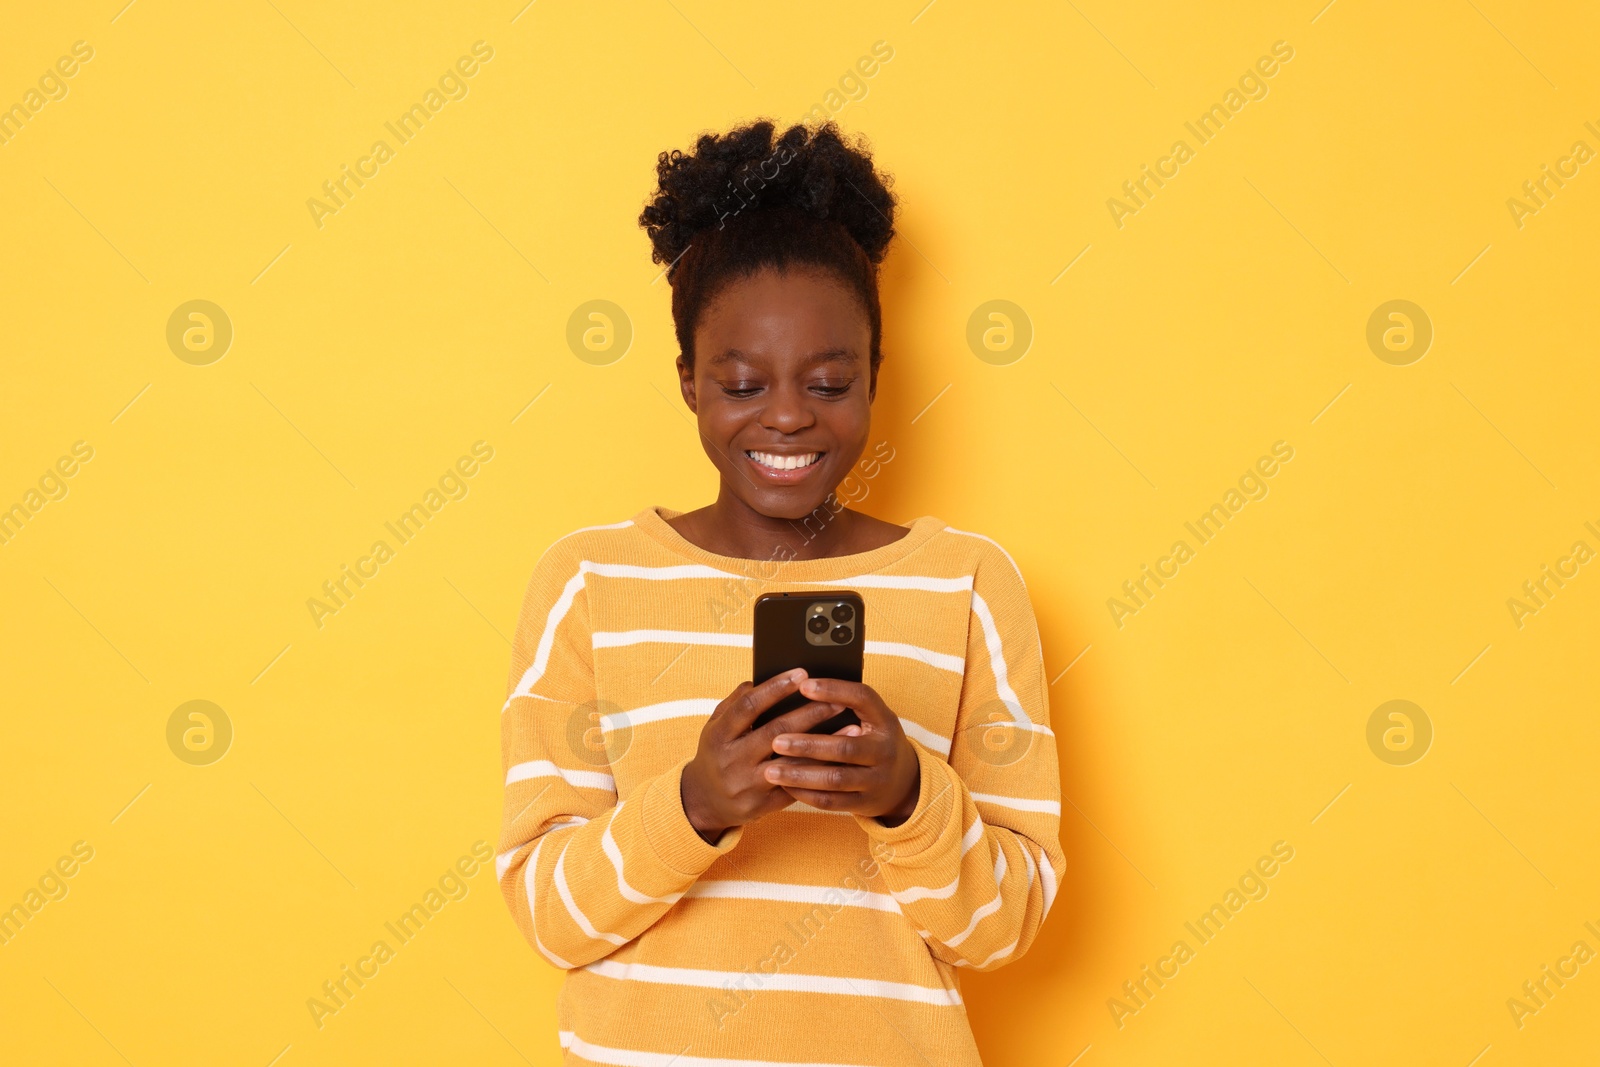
(780, 467)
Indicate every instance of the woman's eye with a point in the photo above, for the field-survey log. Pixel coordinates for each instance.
(831, 388)
(740, 390)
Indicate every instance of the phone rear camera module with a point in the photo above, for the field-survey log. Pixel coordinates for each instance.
(842, 635)
(842, 613)
(817, 624)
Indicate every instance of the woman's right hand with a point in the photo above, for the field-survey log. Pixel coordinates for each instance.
(723, 786)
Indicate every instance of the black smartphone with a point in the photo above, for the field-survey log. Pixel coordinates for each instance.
(824, 633)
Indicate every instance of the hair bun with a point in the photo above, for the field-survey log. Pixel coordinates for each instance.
(811, 170)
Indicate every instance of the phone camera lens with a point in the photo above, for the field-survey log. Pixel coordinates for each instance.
(817, 624)
(842, 613)
(842, 635)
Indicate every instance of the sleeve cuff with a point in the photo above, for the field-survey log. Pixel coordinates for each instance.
(672, 837)
(932, 820)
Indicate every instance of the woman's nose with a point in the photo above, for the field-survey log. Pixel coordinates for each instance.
(787, 411)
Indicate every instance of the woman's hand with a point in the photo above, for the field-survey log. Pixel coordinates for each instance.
(723, 787)
(868, 770)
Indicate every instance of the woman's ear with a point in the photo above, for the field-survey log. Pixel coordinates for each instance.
(686, 384)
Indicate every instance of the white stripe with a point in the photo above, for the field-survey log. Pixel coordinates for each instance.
(917, 892)
(563, 604)
(671, 709)
(627, 1057)
(926, 737)
(547, 639)
(973, 835)
(1049, 807)
(1000, 866)
(1027, 857)
(997, 544)
(787, 983)
(543, 768)
(977, 917)
(942, 660)
(502, 862)
(529, 873)
(898, 581)
(572, 906)
(621, 638)
(997, 663)
(833, 896)
(655, 574)
(996, 954)
(609, 845)
(624, 638)
(623, 525)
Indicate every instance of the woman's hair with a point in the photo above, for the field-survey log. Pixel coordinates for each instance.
(748, 199)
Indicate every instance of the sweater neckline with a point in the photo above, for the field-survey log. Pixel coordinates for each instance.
(653, 522)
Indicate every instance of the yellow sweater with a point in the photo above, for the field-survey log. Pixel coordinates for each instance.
(806, 937)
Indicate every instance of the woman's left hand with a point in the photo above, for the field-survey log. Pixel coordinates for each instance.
(869, 770)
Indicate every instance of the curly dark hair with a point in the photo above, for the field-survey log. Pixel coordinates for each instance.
(751, 198)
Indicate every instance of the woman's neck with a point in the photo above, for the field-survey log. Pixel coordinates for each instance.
(730, 527)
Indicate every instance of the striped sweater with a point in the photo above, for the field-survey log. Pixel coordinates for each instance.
(806, 937)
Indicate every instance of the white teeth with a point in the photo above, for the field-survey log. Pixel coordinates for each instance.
(784, 463)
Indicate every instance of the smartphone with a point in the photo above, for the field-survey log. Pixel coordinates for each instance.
(824, 633)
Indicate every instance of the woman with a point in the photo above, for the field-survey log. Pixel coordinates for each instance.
(724, 894)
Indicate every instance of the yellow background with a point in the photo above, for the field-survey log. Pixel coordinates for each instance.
(427, 314)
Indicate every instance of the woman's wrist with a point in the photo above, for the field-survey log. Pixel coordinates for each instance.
(908, 803)
(708, 829)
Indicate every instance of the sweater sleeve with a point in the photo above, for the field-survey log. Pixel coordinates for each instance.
(976, 866)
(582, 870)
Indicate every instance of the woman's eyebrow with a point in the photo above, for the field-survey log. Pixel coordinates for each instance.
(831, 355)
(827, 355)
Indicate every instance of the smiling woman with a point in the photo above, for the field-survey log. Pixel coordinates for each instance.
(623, 872)
(782, 303)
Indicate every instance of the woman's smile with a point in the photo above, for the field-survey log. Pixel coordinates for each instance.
(784, 468)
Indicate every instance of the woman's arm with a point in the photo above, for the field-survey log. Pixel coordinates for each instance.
(582, 873)
(976, 866)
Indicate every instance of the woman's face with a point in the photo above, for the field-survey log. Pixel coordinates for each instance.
(782, 388)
